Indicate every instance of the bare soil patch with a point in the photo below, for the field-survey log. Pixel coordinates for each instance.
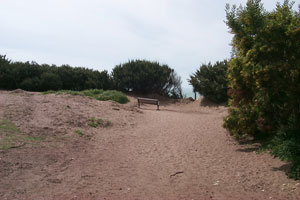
(179, 152)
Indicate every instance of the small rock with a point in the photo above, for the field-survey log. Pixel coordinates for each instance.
(216, 183)
(54, 180)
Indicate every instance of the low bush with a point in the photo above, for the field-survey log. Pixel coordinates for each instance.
(286, 146)
(114, 96)
(100, 95)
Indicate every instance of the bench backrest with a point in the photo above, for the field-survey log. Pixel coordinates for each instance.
(148, 101)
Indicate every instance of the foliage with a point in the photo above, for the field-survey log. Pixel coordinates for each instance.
(210, 81)
(138, 76)
(34, 77)
(264, 74)
(100, 95)
(144, 77)
(286, 145)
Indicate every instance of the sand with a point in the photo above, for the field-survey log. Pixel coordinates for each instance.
(179, 152)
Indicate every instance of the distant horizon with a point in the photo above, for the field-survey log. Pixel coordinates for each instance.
(188, 92)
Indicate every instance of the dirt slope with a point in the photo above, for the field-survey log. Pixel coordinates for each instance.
(179, 152)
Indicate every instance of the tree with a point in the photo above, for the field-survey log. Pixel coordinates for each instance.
(34, 77)
(50, 81)
(144, 77)
(264, 74)
(210, 81)
(175, 90)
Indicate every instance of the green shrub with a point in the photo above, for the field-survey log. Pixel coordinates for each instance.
(100, 95)
(35, 77)
(92, 92)
(210, 81)
(144, 77)
(264, 77)
(114, 96)
(242, 117)
(286, 146)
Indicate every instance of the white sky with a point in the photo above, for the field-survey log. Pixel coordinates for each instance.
(100, 34)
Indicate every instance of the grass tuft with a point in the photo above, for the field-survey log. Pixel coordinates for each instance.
(79, 132)
(8, 126)
(98, 122)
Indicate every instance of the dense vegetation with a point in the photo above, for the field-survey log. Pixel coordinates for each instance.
(34, 77)
(142, 77)
(96, 94)
(264, 78)
(139, 76)
(210, 81)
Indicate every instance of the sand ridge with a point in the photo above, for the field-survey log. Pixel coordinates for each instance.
(179, 152)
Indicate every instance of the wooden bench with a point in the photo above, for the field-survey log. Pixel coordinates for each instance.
(148, 101)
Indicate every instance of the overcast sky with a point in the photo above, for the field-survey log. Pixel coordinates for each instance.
(100, 34)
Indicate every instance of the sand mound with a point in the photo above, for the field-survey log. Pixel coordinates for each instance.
(17, 91)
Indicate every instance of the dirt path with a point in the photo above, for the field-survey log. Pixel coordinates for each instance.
(179, 152)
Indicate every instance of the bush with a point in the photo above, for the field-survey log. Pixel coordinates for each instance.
(210, 81)
(114, 96)
(100, 95)
(286, 146)
(264, 77)
(34, 77)
(144, 77)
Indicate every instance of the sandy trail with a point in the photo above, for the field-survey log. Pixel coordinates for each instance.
(179, 152)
